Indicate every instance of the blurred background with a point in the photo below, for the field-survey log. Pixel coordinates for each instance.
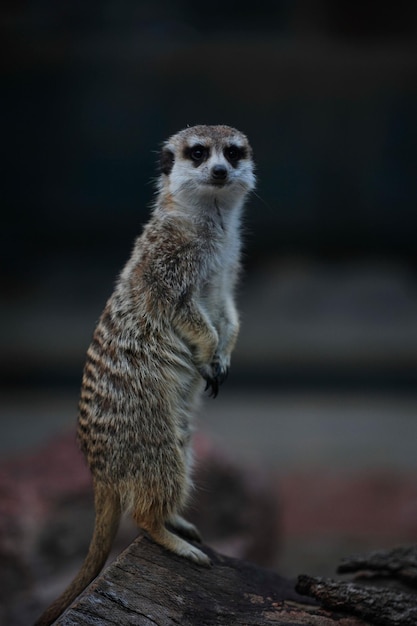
(323, 386)
(327, 94)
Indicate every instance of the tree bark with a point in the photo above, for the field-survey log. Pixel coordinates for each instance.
(148, 586)
(392, 603)
(399, 563)
(381, 606)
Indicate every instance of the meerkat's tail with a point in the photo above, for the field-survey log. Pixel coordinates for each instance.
(108, 512)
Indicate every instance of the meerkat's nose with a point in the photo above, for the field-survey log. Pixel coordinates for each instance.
(219, 172)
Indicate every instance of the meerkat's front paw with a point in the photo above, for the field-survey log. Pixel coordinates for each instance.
(215, 374)
(211, 378)
(222, 365)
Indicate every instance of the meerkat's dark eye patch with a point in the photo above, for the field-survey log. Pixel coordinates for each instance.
(234, 154)
(197, 153)
(166, 161)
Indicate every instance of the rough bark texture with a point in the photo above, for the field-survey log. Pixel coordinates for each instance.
(400, 563)
(386, 605)
(147, 586)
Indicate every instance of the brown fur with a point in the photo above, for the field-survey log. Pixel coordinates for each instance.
(169, 323)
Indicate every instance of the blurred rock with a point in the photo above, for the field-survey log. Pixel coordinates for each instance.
(234, 506)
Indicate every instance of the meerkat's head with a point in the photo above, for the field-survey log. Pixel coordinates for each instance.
(205, 163)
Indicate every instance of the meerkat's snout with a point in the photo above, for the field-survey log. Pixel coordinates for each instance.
(219, 174)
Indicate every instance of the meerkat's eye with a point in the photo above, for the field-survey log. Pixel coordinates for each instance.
(234, 153)
(197, 153)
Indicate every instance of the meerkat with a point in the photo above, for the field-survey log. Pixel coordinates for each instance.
(169, 326)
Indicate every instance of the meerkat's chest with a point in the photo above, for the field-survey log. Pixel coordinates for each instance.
(220, 275)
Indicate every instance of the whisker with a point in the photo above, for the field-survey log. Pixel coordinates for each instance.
(264, 202)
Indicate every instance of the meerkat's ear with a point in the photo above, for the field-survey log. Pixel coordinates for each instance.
(166, 160)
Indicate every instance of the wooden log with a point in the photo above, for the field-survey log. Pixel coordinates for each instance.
(148, 586)
(399, 563)
(381, 606)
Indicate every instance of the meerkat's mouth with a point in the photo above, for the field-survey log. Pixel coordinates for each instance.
(218, 183)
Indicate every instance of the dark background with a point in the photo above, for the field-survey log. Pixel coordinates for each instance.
(326, 92)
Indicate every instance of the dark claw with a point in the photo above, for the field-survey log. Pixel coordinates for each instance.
(220, 374)
(213, 382)
(223, 375)
(214, 387)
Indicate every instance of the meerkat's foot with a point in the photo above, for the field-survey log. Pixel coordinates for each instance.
(183, 528)
(179, 546)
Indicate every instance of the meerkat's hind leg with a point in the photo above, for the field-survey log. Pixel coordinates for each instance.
(183, 528)
(176, 544)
